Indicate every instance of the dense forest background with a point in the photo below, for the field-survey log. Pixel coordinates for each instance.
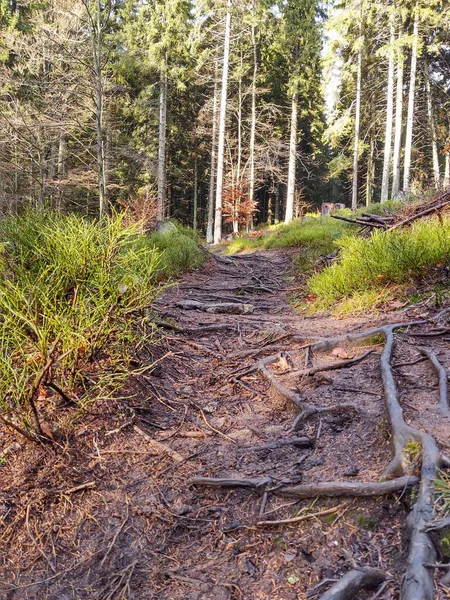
(246, 111)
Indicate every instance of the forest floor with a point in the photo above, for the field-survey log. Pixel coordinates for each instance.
(112, 513)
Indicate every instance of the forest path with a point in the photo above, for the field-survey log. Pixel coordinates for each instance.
(145, 530)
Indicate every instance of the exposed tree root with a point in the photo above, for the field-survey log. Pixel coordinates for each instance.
(311, 490)
(229, 308)
(443, 378)
(411, 447)
(252, 484)
(350, 488)
(353, 582)
(298, 442)
(344, 364)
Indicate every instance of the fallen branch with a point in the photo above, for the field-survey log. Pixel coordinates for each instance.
(300, 518)
(158, 447)
(353, 582)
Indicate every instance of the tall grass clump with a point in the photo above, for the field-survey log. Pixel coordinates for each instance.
(70, 290)
(385, 258)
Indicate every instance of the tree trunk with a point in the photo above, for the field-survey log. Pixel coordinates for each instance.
(398, 122)
(277, 204)
(357, 117)
(61, 169)
(222, 122)
(434, 147)
(389, 116)
(370, 173)
(238, 187)
(292, 160)
(212, 176)
(411, 98)
(251, 184)
(447, 166)
(161, 202)
(97, 53)
(195, 199)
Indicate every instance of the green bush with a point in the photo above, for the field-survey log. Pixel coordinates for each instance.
(69, 293)
(384, 258)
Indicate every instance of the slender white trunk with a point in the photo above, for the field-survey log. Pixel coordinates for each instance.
(398, 122)
(434, 147)
(357, 117)
(411, 98)
(212, 175)
(292, 160)
(251, 184)
(389, 116)
(222, 123)
(97, 48)
(195, 199)
(238, 187)
(161, 202)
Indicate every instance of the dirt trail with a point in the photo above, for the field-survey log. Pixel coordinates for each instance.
(142, 530)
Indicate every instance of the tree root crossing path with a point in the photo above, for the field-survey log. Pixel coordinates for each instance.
(271, 455)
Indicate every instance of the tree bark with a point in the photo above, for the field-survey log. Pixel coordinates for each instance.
(389, 115)
(411, 98)
(292, 160)
(222, 123)
(434, 147)
(357, 115)
(398, 122)
(161, 202)
(212, 176)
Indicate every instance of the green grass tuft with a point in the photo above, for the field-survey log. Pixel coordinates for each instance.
(69, 295)
(384, 258)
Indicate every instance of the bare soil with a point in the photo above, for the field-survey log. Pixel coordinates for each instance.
(108, 514)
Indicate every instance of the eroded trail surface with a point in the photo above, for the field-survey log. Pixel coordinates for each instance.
(192, 483)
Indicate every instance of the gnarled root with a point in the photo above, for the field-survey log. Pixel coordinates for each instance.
(353, 582)
(350, 488)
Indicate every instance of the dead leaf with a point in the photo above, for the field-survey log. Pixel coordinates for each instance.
(46, 430)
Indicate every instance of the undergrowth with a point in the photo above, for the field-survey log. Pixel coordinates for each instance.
(368, 265)
(69, 294)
